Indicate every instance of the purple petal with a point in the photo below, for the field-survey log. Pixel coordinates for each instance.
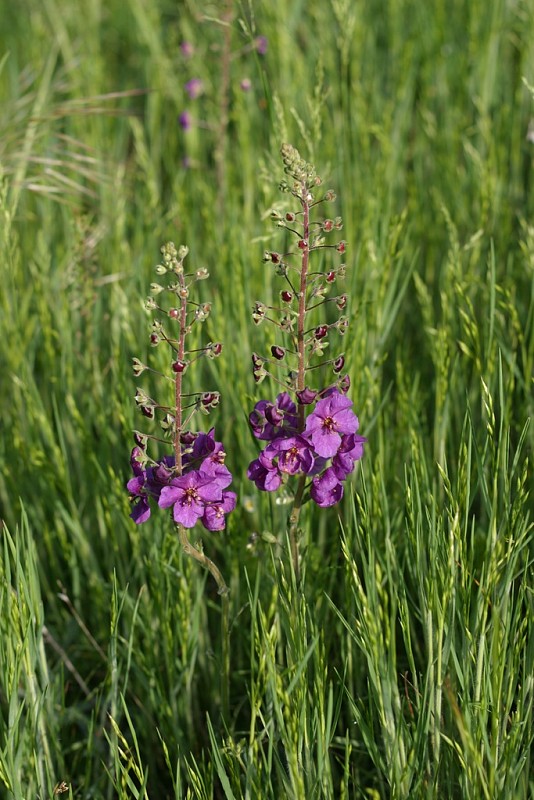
(140, 511)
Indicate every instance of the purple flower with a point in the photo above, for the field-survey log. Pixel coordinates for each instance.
(246, 85)
(294, 454)
(214, 515)
(331, 418)
(194, 88)
(189, 495)
(326, 490)
(184, 120)
(264, 473)
(261, 45)
(269, 419)
(137, 488)
(187, 49)
(350, 451)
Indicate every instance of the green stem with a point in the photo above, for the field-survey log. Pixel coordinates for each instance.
(190, 550)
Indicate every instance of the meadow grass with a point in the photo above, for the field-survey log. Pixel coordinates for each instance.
(402, 665)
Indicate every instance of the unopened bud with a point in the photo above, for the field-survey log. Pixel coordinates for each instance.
(174, 313)
(328, 224)
(278, 352)
(306, 396)
(321, 331)
(179, 366)
(290, 217)
(161, 269)
(286, 296)
(150, 304)
(154, 339)
(330, 195)
(213, 349)
(338, 363)
(341, 301)
(201, 274)
(138, 367)
(341, 247)
(303, 244)
(330, 276)
(156, 288)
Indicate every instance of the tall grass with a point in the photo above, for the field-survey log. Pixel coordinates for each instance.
(403, 664)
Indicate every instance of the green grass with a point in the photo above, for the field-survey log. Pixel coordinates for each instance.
(403, 667)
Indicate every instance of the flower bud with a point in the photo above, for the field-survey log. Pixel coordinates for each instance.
(303, 244)
(148, 411)
(290, 216)
(343, 384)
(213, 349)
(174, 313)
(179, 366)
(341, 301)
(330, 276)
(138, 367)
(341, 247)
(154, 339)
(161, 269)
(342, 324)
(203, 312)
(286, 296)
(328, 224)
(338, 363)
(150, 304)
(183, 250)
(140, 439)
(330, 196)
(210, 399)
(338, 223)
(201, 274)
(278, 352)
(258, 313)
(321, 331)
(306, 396)
(156, 288)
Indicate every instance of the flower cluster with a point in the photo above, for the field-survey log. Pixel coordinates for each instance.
(199, 493)
(326, 449)
(316, 436)
(194, 479)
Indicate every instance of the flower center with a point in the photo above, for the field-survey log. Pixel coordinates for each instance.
(191, 495)
(329, 423)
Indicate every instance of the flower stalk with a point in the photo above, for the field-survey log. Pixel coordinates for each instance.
(313, 439)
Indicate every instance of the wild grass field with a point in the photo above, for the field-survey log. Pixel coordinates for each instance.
(401, 663)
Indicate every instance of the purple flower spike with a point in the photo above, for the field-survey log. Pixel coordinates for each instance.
(331, 418)
(189, 494)
(326, 490)
(194, 88)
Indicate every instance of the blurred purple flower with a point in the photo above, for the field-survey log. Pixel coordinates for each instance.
(187, 49)
(194, 88)
(184, 120)
(246, 85)
(261, 45)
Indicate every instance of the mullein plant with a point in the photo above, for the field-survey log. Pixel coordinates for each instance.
(192, 480)
(310, 431)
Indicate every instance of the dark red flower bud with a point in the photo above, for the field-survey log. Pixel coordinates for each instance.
(344, 384)
(330, 276)
(290, 217)
(276, 258)
(216, 348)
(341, 247)
(188, 437)
(303, 244)
(341, 301)
(179, 366)
(174, 313)
(286, 296)
(321, 331)
(147, 411)
(154, 339)
(278, 352)
(328, 224)
(338, 363)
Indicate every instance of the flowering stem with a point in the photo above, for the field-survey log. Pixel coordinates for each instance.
(301, 374)
(190, 550)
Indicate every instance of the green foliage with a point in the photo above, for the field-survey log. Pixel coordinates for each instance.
(403, 667)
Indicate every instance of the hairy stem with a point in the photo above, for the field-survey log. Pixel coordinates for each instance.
(301, 374)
